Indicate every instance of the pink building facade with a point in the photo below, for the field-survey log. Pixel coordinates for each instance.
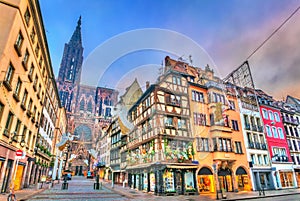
(281, 162)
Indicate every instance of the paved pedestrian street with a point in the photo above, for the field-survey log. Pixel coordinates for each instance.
(79, 189)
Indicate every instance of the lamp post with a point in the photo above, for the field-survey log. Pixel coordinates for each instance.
(13, 135)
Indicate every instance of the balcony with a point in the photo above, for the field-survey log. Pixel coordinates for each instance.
(220, 127)
(257, 145)
(280, 158)
(264, 146)
(254, 127)
(223, 156)
(247, 126)
(251, 145)
(290, 120)
(260, 129)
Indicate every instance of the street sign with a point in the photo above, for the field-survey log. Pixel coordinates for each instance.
(19, 152)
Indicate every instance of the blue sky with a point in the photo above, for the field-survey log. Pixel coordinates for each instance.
(228, 31)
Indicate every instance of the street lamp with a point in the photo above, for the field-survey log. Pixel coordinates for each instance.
(13, 135)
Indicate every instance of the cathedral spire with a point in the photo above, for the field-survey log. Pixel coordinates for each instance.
(76, 37)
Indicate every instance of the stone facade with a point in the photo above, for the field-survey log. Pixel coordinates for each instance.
(88, 107)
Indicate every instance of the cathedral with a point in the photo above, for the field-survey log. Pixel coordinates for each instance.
(89, 108)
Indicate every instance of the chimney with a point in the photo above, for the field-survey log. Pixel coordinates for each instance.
(147, 85)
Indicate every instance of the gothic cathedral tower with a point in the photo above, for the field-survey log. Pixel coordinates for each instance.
(88, 107)
(68, 80)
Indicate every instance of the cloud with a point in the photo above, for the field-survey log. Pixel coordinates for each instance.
(275, 66)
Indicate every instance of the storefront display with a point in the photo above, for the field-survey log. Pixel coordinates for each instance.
(132, 181)
(18, 179)
(189, 181)
(152, 182)
(226, 183)
(286, 179)
(137, 181)
(145, 187)
(205, 183)
(168, 178)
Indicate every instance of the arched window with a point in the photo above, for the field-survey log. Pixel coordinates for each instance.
(90, 106)
(81, 105)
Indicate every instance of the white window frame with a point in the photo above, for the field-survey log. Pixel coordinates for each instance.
(271, 114)
(265, 114)
(281, 134)
(268, 131)
(274, 131)
(276, 115)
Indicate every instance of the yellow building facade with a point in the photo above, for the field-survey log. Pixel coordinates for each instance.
(216, 127)
(25, 75)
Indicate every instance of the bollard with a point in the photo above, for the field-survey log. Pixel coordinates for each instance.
(64, 186)
(97, 185)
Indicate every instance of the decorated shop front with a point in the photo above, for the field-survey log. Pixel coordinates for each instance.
(242, 179)
(205, 179)
(284, 174)
(164, 179)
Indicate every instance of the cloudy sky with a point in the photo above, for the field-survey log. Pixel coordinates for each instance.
(123, 39)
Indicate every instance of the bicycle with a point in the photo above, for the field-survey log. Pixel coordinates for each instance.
(12, 195)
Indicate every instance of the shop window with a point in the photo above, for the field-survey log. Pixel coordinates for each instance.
(189, 181)
(168, 178)
(286, 179)
(152, 182)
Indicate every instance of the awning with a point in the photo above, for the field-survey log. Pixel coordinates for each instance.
(182, 167)
(205, 171)
(240, 171)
